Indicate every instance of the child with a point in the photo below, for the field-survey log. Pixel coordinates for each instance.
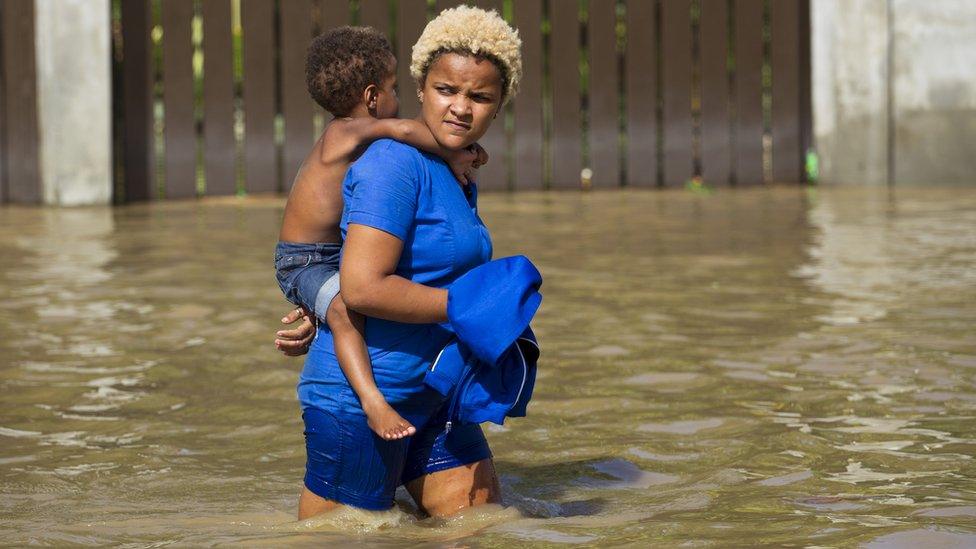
(350, 72)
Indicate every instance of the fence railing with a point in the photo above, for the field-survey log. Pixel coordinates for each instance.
(210, 99)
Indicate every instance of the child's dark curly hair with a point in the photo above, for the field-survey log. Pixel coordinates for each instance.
(342, 62)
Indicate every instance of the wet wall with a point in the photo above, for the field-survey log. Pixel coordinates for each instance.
(893, 98)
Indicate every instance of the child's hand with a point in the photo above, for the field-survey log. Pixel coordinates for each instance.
(465, 161)
(482, 158)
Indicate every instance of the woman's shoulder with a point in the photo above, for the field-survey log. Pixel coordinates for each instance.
(386, 159)
(385, 150)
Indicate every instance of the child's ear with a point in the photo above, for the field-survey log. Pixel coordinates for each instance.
(370, 97)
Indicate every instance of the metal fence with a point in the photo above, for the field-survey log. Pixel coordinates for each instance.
(210, 99)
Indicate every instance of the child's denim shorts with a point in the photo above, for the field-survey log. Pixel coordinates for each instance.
(308, 274)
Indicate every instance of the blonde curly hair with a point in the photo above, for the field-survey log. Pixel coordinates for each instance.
(465, 29)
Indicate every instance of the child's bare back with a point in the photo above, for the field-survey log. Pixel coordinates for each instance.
(315, 203)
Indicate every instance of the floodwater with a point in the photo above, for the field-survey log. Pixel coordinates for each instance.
(781, 366)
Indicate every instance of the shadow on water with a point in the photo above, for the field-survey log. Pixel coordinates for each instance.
(545, 490)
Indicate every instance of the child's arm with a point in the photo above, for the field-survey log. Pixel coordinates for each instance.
(365, 130)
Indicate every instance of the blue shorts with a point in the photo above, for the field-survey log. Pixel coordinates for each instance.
(308, 274)
(349, 464)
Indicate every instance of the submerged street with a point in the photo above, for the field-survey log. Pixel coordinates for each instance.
(756, 366)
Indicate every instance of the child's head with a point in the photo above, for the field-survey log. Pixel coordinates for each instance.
(352, 66)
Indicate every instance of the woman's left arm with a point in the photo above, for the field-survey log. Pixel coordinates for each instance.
(368, 284)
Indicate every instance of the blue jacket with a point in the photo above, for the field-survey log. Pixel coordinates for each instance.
(491, 363)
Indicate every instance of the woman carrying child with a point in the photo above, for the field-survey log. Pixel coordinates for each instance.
(351, 73)
(410, 231)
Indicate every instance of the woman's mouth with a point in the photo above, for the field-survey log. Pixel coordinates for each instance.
(458, 125)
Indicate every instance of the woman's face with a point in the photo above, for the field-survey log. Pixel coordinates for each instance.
(460, 97)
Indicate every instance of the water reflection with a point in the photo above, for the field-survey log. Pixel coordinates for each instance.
(764, 366)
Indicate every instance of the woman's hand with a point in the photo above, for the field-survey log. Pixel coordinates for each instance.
(464, 161)
(295, 342)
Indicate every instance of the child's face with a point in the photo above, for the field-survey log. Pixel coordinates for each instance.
(387, 103)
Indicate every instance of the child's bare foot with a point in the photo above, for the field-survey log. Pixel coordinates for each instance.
(385, 422)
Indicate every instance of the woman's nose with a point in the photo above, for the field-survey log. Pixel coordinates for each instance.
(461, 106)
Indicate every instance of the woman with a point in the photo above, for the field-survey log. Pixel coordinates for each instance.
(410, 231)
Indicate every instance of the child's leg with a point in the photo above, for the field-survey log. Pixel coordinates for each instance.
(350, 346)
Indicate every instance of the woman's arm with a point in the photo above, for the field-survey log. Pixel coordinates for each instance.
(368, 283)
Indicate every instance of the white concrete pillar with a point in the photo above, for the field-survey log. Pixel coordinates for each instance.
(934, 91)
(849, 43)
(74, 100)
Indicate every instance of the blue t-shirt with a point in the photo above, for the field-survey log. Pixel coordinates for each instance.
(412, 195)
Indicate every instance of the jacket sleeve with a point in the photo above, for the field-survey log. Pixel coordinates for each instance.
(491, 305)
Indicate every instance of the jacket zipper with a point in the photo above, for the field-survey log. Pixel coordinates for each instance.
(456, 397)
(469, 375)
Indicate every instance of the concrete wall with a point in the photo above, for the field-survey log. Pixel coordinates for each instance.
(894, 90)
(934, 90)
(74, 89)
(849, 42)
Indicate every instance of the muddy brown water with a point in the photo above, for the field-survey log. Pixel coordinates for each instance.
(779, 366)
